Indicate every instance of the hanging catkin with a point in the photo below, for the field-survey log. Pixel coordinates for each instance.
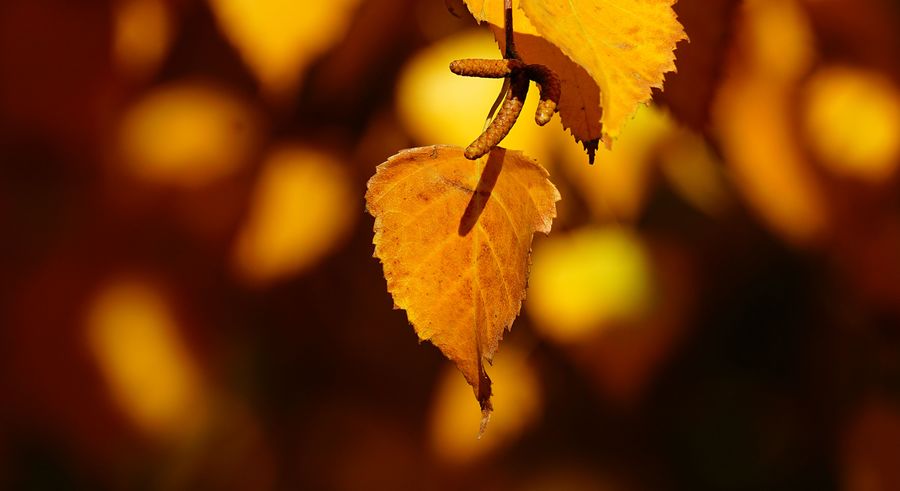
(505, 118)
(520, 76)
(550, 92)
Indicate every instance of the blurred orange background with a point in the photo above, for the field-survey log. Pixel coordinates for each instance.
(189, 298)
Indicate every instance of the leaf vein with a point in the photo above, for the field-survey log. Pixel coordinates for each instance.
(512, 224)
(509, 295)
(403, 179)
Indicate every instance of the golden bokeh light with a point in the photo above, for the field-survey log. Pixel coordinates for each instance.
(138, 347)
(588, 281)
(142, 35)
(753, 117)
(303, 206)
(852, 122)
(187, 135)
(455, 416)
(767, 166)
(615, 187)
(695, 172)
(279, 38)
(437, 106)
(778, 37)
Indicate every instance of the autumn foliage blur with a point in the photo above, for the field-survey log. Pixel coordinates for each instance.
(189, 298)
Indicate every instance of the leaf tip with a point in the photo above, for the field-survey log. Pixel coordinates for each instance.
(457, 8)
(485, 419)
(483, 393)
(590, 146)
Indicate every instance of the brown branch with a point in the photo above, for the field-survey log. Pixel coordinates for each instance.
(508, 27)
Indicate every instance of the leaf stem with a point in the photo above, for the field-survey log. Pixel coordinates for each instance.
(508, 27)
(509, 55)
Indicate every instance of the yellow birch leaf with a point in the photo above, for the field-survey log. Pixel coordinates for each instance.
(626, 46)
(454, 237)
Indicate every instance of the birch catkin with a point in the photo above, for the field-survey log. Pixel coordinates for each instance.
(475, 67)
(520, 76)
(505, 118)
(548, 82)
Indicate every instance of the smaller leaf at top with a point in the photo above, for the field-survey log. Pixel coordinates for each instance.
(627, 46)
(454, 237)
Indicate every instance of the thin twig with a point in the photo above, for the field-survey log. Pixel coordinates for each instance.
(508, 27)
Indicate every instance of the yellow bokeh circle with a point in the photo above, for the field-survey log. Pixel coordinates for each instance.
(187, 135)
(851, 120)
(585, 282)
